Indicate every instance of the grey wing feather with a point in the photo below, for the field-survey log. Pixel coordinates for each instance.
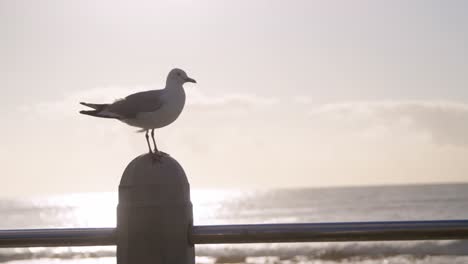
(131, 105)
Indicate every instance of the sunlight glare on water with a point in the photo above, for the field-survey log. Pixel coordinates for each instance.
(99, 209)
(85, 209)
(209, 204)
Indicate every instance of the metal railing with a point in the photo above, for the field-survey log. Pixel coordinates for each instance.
(264, 233)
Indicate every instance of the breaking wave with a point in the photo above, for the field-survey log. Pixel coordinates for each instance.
(412, 252)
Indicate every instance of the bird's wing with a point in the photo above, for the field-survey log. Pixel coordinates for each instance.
(131, 105)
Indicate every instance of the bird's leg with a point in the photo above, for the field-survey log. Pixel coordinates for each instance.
(147, 141)
(157, 155)
(156, 151)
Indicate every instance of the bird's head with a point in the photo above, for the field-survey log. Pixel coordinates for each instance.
(178, 77)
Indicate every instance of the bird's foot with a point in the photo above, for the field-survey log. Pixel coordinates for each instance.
(158, 155)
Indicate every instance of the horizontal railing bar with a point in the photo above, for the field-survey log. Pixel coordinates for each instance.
(262, 233)
(60, 237)
(331, 232)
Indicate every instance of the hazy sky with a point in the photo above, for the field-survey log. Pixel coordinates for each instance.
(289, 93)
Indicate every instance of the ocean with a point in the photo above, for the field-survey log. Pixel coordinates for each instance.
(385, 203)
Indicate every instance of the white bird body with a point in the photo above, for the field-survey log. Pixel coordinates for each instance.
(150, 109)
(168, 113)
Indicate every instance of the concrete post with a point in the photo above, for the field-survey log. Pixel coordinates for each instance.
(154, 213)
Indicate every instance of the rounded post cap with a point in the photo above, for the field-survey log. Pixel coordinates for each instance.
(147, 180)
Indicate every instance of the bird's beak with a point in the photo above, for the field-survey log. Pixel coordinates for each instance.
(190, 80)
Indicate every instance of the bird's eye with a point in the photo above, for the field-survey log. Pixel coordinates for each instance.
(178, 74)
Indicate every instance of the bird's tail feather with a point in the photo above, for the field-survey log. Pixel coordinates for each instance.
(99, 111)
(98, 107)
(96, 114)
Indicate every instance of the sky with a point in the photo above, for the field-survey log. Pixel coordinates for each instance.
(290, 93)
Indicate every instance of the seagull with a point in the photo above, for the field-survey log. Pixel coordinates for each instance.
(147, 110)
